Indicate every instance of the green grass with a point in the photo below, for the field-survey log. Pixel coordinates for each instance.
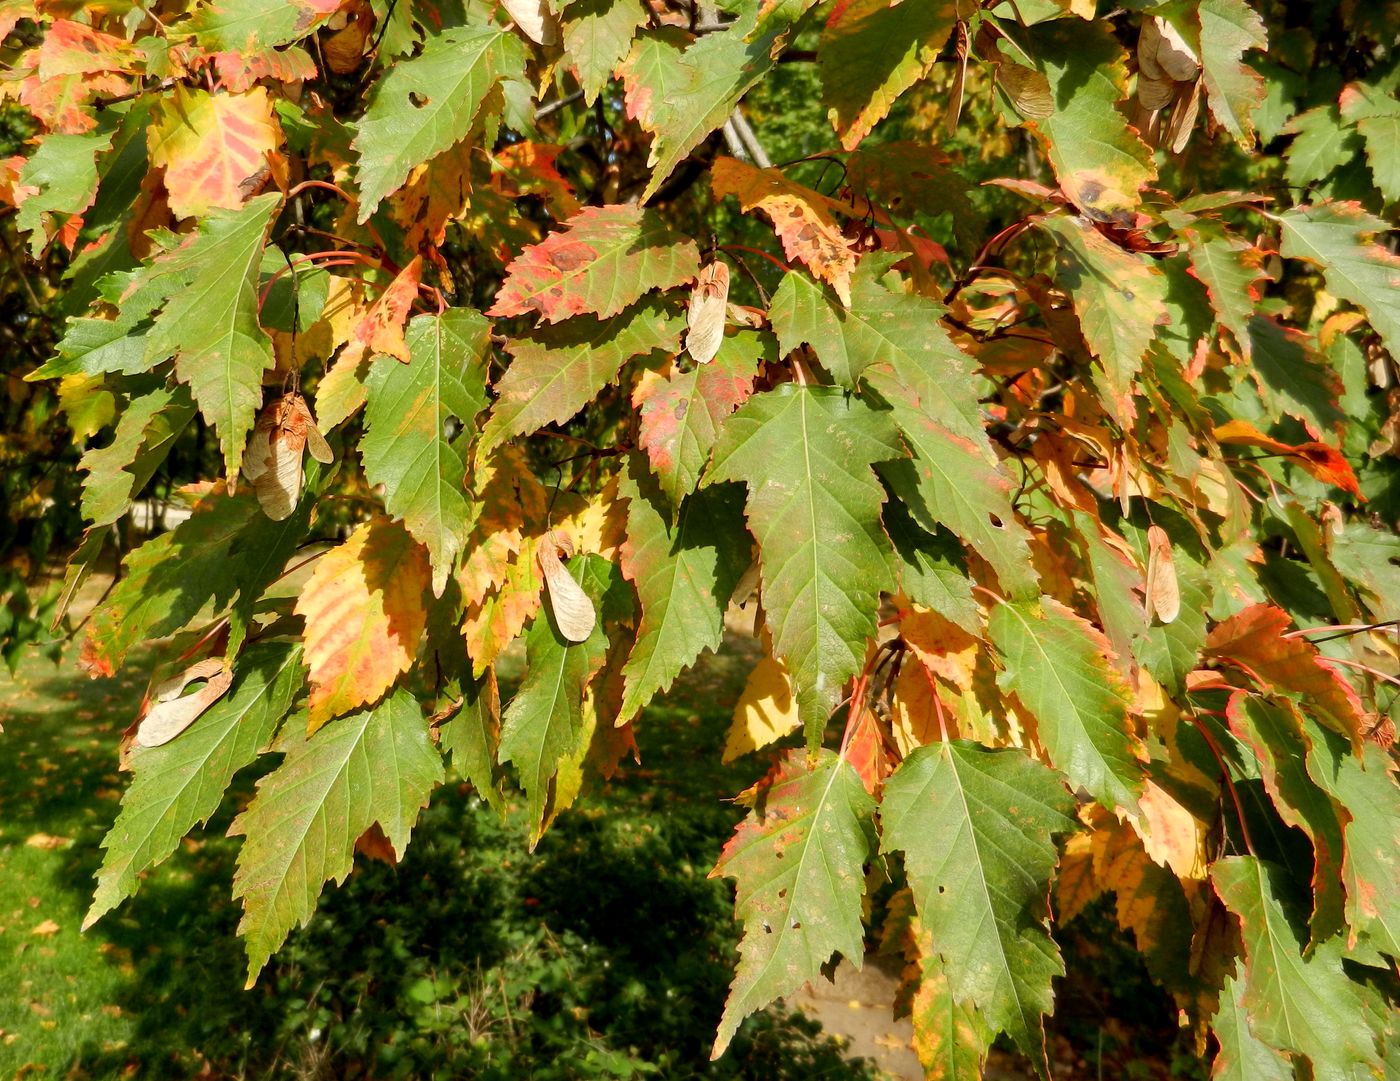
(605, 953)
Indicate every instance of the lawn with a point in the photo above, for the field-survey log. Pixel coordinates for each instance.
(605, 953)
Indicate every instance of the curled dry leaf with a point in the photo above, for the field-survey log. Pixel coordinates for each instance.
(273, 461)
(1163, 594)
(573, 611)
(535, 20)
(172, 711)
(709, 301)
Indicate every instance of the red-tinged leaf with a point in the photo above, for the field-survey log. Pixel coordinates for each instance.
(1274, 731)
(1336, 238)
(867, 753)
(804, 220)
(1369, 791)
(249, 25)
(597, 38)
(1304, 1005)
(213, 147)
(798, 860)
(681, 414)
(603, 259)
(528, 168)
(64, 104)
(381, 329)
(1119, 297)
(239, 71)
(1230, 28)
(1231, 270)
(72, 48)
(365, 611)
(1293, 379)
(1325, 463)
(1255, 642)
(556, 371)
(871, 52)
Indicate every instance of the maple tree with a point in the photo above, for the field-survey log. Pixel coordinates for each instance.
(1065, 504)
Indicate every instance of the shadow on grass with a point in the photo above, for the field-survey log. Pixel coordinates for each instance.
(605, 953)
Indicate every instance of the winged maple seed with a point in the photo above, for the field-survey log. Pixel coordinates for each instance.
(172, 711)
(534, 19)
(1163, 594)
(573, 611)
(709, 301)
(273, 461)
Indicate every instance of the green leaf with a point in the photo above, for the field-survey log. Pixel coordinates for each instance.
(871, 53)
(424, 105)
(473, 736)
(556, 371)
(118, 472)
(168, 580)
(1229, 28)
(953, 477)
(376, 766)
(689, 95)
(1330, 236)
(1119, 296)
(250, 25)
(798, 861)
(64, 169)
(544, 722)
(181, 783)
(96, 346)
(1322, 144)
(883, 325)
(1376, 115)
(681, 414)
(1370, 558)
(975, 827)
(1231, 270)
(684, 575)
(1273, 730)
(1243, 1056)
(211, 327)
(1054, 662)
(1305, 1006)
(406, 446)
(1098, 158)
(1292, 378)
(930, 569)
(814, 505)
(597, 38)
(1371, 868)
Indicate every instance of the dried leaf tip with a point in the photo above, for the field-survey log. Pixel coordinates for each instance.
(709, 302)
(573, 611)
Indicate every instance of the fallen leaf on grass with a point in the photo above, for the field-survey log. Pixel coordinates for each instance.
(46, 841)
(48, 927)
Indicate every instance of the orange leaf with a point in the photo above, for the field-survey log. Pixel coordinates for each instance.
(70, 48)
(381, 329)
(1320, 461)
(500, 616)
(803, 219)
(364, 612)
(866, 752)
(213, 147)
(1254, 641)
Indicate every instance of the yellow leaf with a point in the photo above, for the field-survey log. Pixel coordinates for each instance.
(364, 611)
(213, 147)
(766, 711)
(1170, 834)
(804, 220)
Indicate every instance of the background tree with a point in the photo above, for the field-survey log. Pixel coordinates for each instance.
(1065, 502)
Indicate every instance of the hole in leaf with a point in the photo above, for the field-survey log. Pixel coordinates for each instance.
(997, 522)
(417, 99)
(797, 925)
